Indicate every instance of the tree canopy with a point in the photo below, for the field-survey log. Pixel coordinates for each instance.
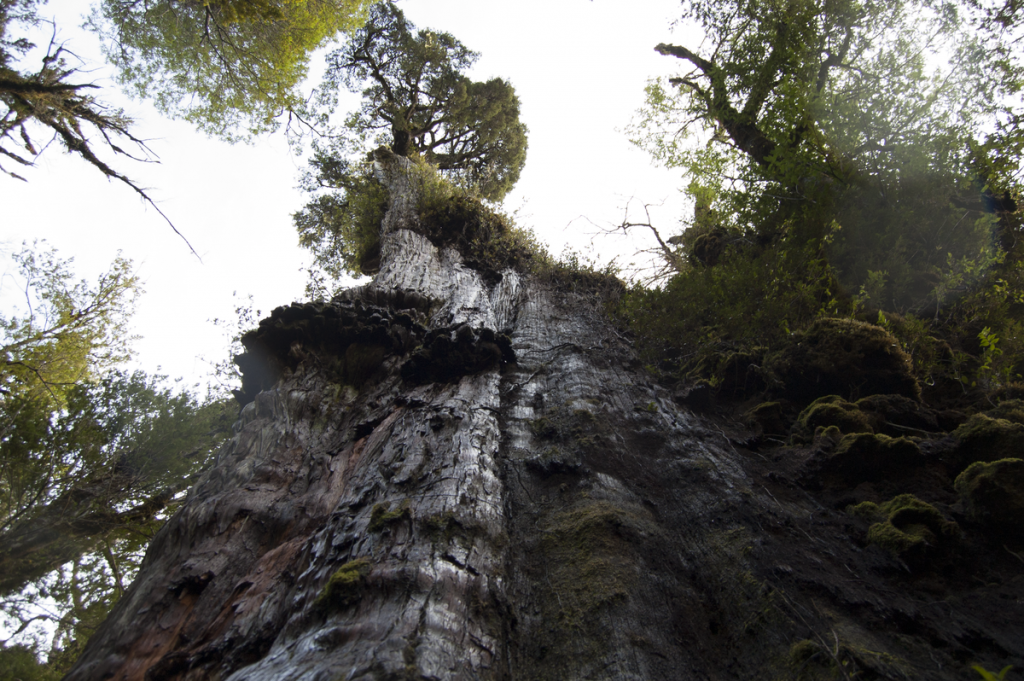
(845, 158)
(91, 457)
(875, 126)
(417, 99)
(231, 67)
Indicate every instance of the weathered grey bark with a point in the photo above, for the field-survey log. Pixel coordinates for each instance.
(556, 516)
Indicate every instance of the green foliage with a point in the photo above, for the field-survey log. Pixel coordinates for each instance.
(990, 676)
(750, 298)
(231, 67)
(19, 662)
(451, 215)
(70, 331)
(90, 484)
(861, 157)
(342, 227)
(91, 458)
(417, 99)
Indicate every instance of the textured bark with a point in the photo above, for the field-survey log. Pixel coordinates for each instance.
(444, 478)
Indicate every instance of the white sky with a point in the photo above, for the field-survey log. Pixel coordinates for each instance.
(579, 68)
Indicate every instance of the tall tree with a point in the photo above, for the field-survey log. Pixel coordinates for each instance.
(411, 493)
(231, 67)
(872, 127)
(417, 99)
(105, 465)
(91, 458)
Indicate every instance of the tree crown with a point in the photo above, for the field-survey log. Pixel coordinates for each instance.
(417, 99)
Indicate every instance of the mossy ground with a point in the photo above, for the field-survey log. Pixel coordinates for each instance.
(864, 457)
(993, 493)
(984, 438)
(831, 410)
(906, 527)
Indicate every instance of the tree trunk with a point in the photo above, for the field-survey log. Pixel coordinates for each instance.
(446, 475)
(70, 526)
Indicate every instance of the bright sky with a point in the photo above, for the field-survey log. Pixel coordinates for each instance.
(579, 68)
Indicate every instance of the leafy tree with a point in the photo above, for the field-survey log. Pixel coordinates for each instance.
(862, 124)
(342, 226)
(417, 99)
(109, 462)
(70, 331)
(845, 158)
(21, 662)
(86, 488)
(225, 64)
(91, 458)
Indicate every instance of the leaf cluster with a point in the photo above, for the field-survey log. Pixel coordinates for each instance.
(68, 331)
(417, 99)
(92, 458)
(230, 67)
(844, 158)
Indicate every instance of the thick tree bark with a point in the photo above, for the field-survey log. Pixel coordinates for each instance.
(443, 476)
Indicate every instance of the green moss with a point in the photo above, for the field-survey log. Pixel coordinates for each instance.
(445, 527)
(993, 493)
(906, 527)
(895, 414)
(868, 510)
(827, 437)
(1009, 410)
(983, 438)
(832, 657)
(735, 375)
(450, 216)
(802, 651)
(544, 428)
(831, 410)
(382, 516)
(442, 527)
(571, 432)
(843, 357)
(345, 586)
(861, 457)
(769, 416)
(589, 557)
